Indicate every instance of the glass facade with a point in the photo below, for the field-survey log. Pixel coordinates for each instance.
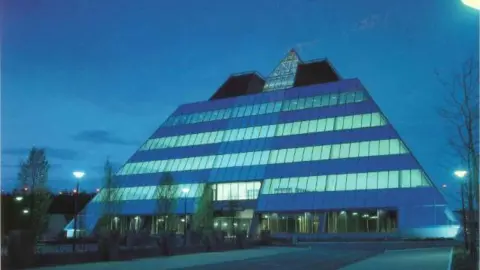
(302, 222)
(368, 221)
(345, 182)
(150, 192)
(231, 225)
(341, 221)
(283, 76)
(236, 191)
(268, 131)
(151, 224)
(324, 100)
(277, 156)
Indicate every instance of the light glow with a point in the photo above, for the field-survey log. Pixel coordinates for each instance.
(18, 198)
(26, 211)
(185, 190)
(472, 3)
(78, 174)
(460, 173)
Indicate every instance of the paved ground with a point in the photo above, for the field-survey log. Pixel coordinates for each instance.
(335, 255)
(181, 262)
(425, 259)
(325, 256)
(311, 258)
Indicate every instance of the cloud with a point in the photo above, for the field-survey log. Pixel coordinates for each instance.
(101, 137)
(56, 153)
(372, 22)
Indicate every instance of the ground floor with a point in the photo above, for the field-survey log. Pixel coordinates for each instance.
(415, 213)
(336, 221)
(312, 222)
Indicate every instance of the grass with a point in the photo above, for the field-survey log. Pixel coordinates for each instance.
(461, 260)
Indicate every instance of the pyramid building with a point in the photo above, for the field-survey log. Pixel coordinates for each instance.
(302, 151)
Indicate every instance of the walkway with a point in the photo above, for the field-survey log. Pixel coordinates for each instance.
(325, 256)
(182, 261)
(425, 259)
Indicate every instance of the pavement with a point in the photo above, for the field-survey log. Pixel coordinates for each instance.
(325, 256)
(425, 259)
(182, 261)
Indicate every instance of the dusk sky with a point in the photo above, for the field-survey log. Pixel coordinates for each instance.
(93, 79)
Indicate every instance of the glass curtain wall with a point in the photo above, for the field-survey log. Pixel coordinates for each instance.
(362, 221)
(152, 224)
(290, 223)
(349, 221)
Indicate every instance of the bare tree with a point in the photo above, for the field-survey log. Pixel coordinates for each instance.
(203, 217)
(109, 199)
(33, 178)
(462, 111)
(165, 195)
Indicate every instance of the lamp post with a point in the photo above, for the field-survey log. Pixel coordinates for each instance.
(185, 192)
(461, 174)
(78, 175)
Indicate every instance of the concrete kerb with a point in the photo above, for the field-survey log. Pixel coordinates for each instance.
(412, 249)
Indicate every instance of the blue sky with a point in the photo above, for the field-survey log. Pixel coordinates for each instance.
(90, 79)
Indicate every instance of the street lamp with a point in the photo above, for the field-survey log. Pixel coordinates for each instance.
(18, 198)
(78, 175)
(185, 192)
(472, 3)
(460, 173)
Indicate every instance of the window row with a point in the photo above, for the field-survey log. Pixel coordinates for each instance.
(236, 191)
(268, 131)
(150, 192)
(331, 99)
(287, 155)
(280, 82)
(342, 182)
(345, 221)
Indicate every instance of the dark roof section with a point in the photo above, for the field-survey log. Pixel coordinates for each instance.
(315, 72)
(240, 85)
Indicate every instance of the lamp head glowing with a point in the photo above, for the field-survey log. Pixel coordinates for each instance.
(78, 174)
(460, 173)
(472, 3)
(185, 190)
